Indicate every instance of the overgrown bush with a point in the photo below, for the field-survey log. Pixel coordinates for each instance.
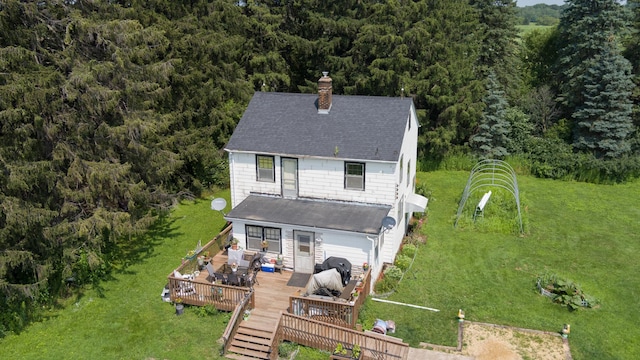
(402, 262)
(385, 285)
(206, 310)
(551, 158)
(393, 272)
(409, 250)
(285, 349)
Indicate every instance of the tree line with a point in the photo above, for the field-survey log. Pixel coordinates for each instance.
(540, 14)
(112, 110)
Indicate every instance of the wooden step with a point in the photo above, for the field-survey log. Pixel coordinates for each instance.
(253, 339)
(239, 357)
(249, 352)
(250, 345)
(256, 327)
(255, 332)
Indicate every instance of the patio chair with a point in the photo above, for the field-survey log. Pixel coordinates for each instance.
(250, 280)
(212, 273)
(233, 279)
(222, 277)
(254, 274)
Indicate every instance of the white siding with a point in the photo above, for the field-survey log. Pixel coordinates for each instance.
(317, 178)
(324, 179)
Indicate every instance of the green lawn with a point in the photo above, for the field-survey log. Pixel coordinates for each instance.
(585, 233)
(128, 320)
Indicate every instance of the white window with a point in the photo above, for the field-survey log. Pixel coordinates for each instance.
(408, 172)
(354, 176)
(265, 170)
(256, 234)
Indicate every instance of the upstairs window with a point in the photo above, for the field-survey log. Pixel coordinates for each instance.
(354, 176)
(265, 168)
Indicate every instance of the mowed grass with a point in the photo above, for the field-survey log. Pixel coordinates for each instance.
(582, 232)
(586, 233)
(127, 319)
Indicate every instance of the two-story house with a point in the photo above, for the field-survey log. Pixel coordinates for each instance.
(317, 175)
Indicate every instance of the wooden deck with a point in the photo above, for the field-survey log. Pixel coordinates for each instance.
(254, 337)
(271, 290)
(269, 321)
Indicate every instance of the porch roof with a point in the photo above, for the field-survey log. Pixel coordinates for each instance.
(342, 216)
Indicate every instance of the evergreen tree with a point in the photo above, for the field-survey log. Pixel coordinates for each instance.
(499, 43)
(632, 53)
(592, 30)
(492, 138)
(603, 121)
(586, 27)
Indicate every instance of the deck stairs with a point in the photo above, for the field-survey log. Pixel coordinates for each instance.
(254, 336)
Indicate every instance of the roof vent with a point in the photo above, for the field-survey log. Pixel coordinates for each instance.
(324, 93)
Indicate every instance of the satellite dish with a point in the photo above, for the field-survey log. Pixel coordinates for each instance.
(218, 204)
(388, 222)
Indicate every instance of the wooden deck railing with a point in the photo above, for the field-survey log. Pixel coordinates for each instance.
(212, 247)
(342, 313)
(223, 297)
(323, 336)
(246, 303)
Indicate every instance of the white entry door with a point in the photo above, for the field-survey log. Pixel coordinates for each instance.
(289, 178)
(304, 243)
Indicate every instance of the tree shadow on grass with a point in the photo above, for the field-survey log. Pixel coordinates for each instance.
(141, 248)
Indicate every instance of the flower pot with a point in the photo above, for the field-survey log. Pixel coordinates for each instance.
(179, 309)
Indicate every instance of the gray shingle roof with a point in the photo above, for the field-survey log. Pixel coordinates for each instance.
(361, 127)
(310, 213)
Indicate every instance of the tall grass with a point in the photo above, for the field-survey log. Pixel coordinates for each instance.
(582, 232)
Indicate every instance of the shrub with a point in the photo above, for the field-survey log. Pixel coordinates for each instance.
(402, 262)
(285, 349)
(206, 310)
(409, 250)
(385, 285)
(393, 272)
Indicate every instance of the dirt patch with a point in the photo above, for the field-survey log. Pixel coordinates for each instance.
(485, 342)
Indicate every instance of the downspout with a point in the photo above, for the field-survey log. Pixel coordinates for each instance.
(373, 251)
(233, 177)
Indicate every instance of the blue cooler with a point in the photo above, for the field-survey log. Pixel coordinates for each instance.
(268, 268)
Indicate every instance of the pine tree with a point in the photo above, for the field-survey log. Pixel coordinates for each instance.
(492, 137)
(498, 43)
(603, 121)
(586, 27)
(592, 31)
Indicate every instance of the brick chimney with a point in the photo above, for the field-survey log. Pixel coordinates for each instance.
(324, 93)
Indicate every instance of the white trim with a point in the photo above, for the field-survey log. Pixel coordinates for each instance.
(310, 156)
(300, 227)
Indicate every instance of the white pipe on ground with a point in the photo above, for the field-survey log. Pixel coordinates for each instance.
(403, 304)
